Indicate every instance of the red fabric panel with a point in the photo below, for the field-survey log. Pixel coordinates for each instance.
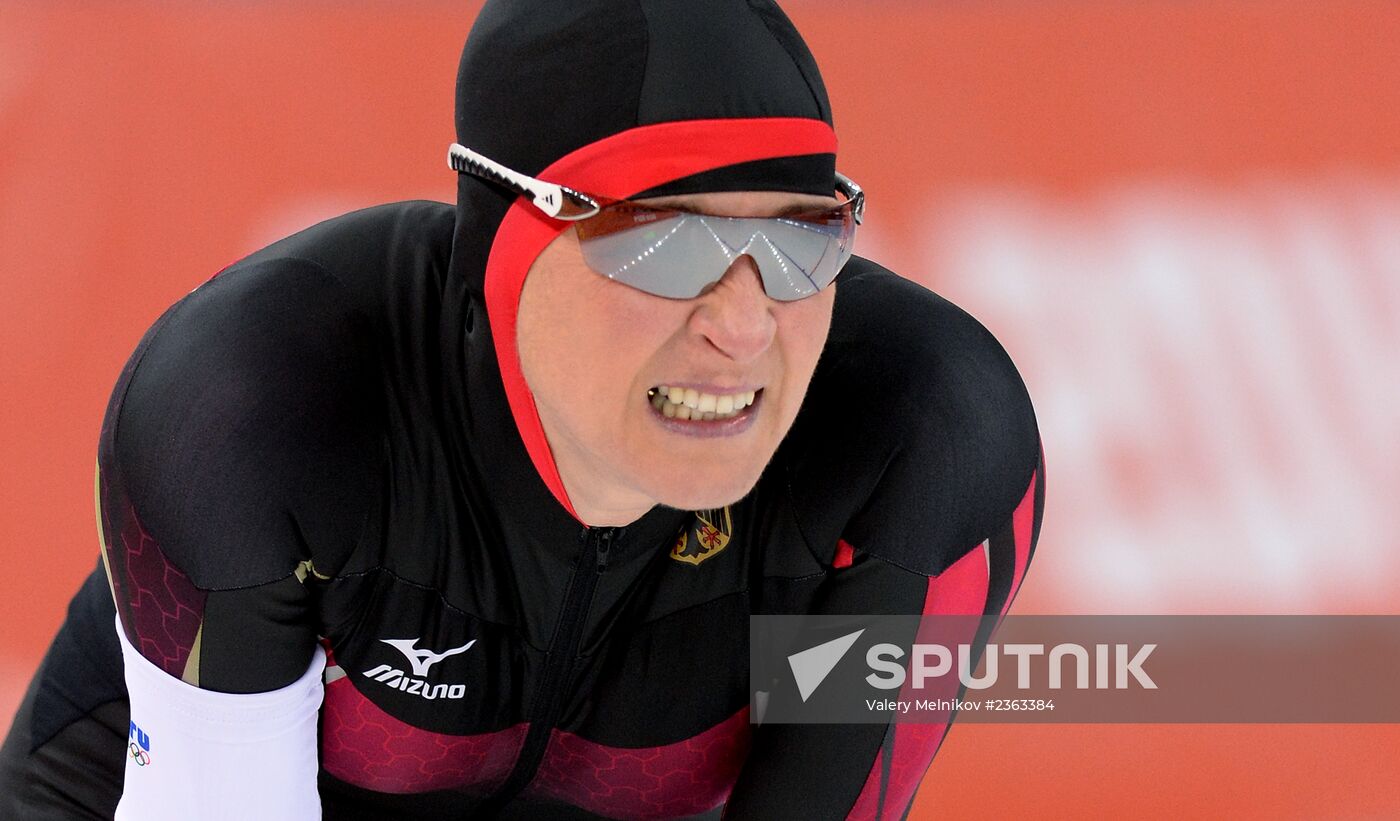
(959, 590)
(365, 746)
(845, 554)
(161, 608)
(617, 167)
(1022, 521)
(685, 778)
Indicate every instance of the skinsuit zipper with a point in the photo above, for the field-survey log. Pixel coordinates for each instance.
(549, 699)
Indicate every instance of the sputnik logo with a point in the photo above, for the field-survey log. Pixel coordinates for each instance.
(811, 666)
(423, 659)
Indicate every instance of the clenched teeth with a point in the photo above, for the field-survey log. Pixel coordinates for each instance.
(688, 403)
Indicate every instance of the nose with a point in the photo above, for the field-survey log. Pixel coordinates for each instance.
(735, 314)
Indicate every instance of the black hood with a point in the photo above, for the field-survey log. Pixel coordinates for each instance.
(619, 98)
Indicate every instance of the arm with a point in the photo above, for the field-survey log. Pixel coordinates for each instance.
(196, 753)
(870, 771)
(234, 463)
(923, 498)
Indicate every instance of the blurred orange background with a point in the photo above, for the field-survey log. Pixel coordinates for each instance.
(1181, 219)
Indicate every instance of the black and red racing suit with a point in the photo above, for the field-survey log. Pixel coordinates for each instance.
(293, 456)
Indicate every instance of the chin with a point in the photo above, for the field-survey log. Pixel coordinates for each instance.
(698, 495)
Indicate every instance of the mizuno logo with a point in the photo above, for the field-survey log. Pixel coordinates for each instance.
(423, 659)
(396, 679)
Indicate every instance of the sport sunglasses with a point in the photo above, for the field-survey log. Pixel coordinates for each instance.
(677, 254)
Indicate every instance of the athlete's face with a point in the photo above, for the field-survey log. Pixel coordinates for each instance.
(595, 353)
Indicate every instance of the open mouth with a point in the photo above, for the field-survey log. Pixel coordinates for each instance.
(697, 406)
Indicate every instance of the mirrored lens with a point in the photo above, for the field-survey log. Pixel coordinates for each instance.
(678, 254)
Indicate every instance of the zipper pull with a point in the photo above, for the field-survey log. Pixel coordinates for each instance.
(605, 539)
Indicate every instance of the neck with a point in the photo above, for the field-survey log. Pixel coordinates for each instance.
(604, 509)
(599, 499)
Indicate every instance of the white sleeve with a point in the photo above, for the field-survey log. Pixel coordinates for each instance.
(196, 754)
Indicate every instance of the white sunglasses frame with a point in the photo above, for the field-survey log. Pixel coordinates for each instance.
(564, 203)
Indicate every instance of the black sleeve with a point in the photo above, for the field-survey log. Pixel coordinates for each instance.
(917, 475)
(237, 460)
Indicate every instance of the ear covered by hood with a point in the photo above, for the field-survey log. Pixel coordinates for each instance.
(622, 98)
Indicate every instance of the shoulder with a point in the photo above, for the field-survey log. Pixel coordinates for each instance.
(926, 364)
(274, 327)
(917, 437)
(245, 429)
(368, 249)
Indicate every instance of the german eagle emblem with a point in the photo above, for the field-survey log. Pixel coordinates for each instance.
(706, 535)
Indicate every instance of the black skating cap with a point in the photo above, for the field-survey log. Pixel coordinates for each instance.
(539, 80)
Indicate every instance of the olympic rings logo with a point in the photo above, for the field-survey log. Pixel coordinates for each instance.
(140, 756)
